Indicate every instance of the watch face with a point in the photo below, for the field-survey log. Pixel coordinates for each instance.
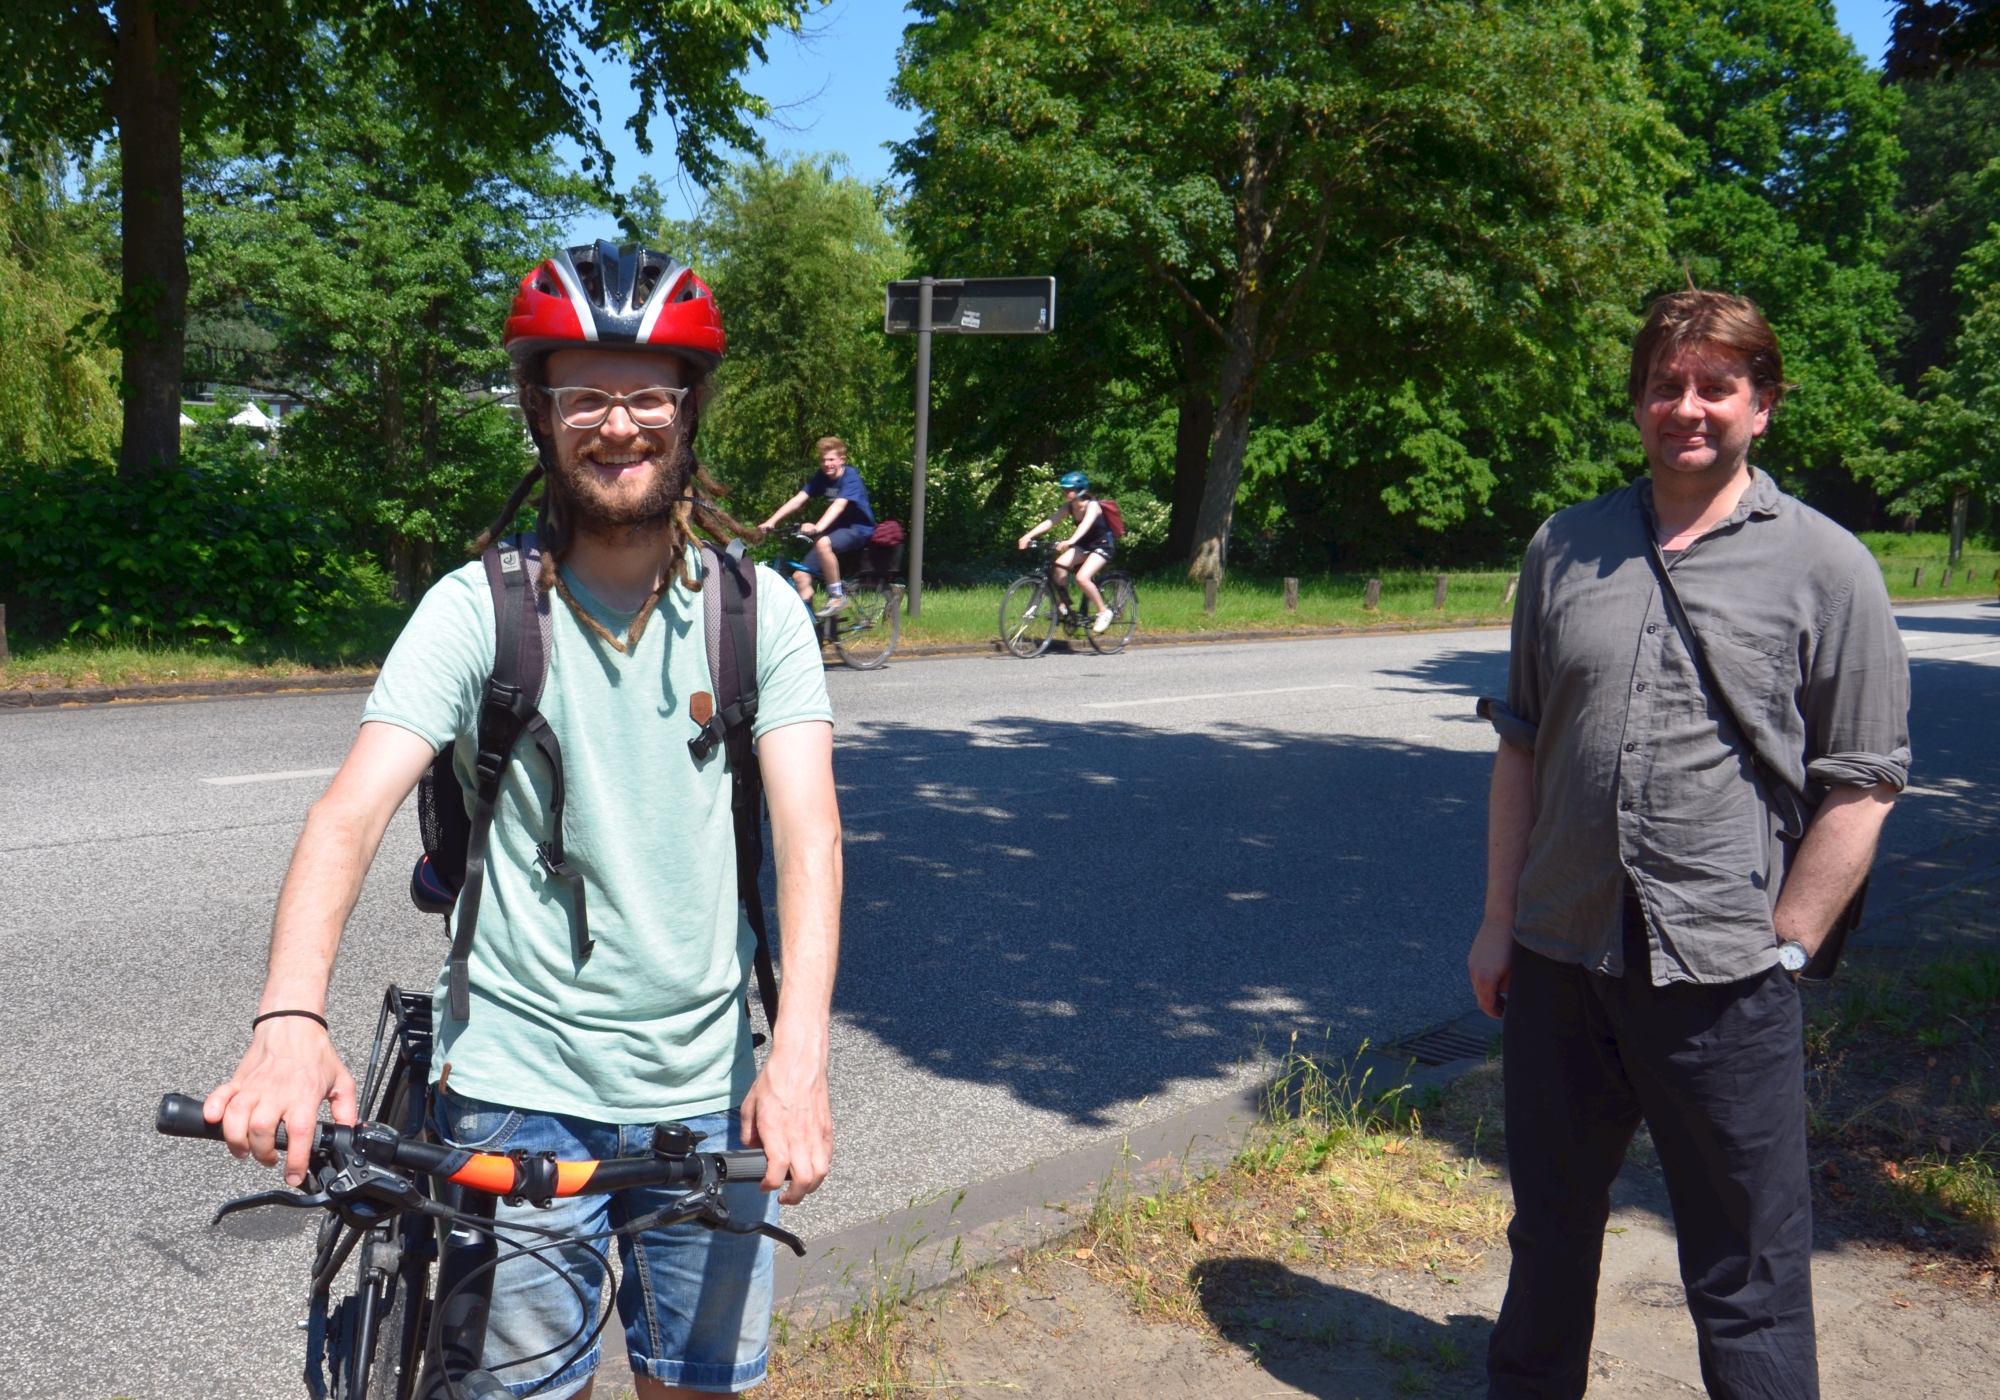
(1792, 957)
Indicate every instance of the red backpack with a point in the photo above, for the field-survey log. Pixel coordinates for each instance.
(1113, 519)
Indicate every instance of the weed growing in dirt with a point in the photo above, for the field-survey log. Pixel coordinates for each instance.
(1337, 1175)
(1903, 1077)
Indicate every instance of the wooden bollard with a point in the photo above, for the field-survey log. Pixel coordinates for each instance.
(1372, 599)
(1513, 582)
(5, 656)
(1210, 586)
(1291, 595)
(1918, 581)
(1443, 587)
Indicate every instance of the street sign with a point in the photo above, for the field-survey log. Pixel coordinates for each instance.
(975, 306)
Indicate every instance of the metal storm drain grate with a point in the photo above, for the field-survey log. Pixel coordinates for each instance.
(1441, 1045)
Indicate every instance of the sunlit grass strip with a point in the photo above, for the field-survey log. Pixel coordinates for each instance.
(1336, 1175)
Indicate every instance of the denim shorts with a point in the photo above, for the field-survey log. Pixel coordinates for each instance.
(696, 1303)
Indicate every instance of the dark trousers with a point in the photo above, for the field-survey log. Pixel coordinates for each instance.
(1718, 1074)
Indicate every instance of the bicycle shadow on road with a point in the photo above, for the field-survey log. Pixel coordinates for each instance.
(1091, 913)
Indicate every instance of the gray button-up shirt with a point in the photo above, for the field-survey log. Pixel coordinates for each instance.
(1638, 776)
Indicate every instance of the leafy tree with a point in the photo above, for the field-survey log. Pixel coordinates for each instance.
(797, 253)
(58, 392)
(1928, 38)
(1790, 200)
(1951, 133)
(484, 79)
(336, 269)
(1400, 195)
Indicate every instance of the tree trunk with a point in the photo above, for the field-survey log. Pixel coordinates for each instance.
(150, 328)
(1960, 500)
(1210, 557)
(1192, 440)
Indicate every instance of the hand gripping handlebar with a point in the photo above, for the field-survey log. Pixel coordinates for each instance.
(537, 1179)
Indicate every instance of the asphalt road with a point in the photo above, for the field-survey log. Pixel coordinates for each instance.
(1083, 893)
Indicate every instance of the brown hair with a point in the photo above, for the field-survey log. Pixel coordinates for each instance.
(829, 444)
(1696, 319)
(555, 525)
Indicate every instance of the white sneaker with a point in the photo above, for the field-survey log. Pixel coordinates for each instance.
(834, 605)
(1103, 623)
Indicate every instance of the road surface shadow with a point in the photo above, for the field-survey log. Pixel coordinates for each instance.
(1087, 913)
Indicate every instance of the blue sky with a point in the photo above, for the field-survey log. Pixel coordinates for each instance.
(830, 86)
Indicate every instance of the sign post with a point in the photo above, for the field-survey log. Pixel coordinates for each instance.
(920, 453)
(956, 306)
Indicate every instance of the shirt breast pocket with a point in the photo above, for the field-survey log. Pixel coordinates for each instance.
(1759, 674)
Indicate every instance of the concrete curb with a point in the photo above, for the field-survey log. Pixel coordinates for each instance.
(187, 690)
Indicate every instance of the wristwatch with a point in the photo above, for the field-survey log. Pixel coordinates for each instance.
(1793, 957)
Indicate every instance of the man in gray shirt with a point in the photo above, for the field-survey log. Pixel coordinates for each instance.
(1657, 875)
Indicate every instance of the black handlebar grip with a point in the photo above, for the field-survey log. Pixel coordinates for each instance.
(180, 1116)
(745, 1166)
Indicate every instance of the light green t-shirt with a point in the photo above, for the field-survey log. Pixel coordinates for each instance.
(652, 1026)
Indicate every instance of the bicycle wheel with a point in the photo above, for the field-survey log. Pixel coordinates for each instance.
(1122, 598)
(866, 629)
(1027, 617)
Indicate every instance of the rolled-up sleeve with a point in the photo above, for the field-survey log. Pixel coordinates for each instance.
(1856, 704)
(1519, 718)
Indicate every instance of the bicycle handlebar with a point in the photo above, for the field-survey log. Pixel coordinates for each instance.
(537, 1179)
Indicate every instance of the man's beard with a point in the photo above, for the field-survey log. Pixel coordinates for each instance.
(596, 512)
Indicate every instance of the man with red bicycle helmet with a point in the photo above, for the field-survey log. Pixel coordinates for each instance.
(577, 1045)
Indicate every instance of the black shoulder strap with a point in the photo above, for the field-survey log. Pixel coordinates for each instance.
(1790, 807)
(730, 614)
(507, 710)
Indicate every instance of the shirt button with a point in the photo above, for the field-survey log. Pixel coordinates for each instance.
(1625, 806)
(1651, 629)
(1640, 686)
(1631, 748)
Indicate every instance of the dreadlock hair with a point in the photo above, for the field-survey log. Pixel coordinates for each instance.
(696, 510)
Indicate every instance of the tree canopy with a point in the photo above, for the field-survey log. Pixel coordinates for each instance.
(1398, 200)
(480, 82)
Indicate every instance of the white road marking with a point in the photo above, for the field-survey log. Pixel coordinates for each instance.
(1213, 695)
(271, 777)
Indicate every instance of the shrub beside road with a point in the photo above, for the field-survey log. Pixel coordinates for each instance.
(958, 616)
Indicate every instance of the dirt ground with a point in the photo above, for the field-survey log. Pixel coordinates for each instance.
(1054, 1330)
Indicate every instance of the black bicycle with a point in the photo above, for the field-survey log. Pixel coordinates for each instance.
(864, 632)
(1038, 603)
(409, 1212)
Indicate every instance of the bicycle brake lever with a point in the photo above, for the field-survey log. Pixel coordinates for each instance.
(783, 1237)
(270, 1198)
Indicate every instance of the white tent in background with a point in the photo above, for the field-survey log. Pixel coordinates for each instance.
(254, 417)
(186, 422)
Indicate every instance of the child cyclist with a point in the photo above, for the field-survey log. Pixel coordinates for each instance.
(1089, 547)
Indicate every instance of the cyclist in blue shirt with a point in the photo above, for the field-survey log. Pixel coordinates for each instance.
(846, 526)
(1089, 547)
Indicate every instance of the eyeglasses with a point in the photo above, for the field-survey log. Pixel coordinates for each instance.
(656, 407)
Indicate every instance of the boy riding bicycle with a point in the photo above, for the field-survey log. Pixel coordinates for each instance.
(555, 1043)
(847, 525)
(1091, 542)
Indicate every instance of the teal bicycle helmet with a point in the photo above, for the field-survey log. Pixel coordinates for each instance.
(1074, 481)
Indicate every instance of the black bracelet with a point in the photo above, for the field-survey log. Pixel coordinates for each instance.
(309, 1015)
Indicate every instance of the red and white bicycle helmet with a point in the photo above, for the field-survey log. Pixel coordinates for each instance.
(620, 298)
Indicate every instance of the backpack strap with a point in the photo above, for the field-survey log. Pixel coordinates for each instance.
(729, 611)
(524, 631)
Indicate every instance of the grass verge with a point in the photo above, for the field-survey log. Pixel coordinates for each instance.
(72, 665)
(1903, 1082)
(1336, 1175)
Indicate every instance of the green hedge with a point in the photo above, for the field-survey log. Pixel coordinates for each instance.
(204, 554)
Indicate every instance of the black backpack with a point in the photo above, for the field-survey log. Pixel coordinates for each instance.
(452, 870)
